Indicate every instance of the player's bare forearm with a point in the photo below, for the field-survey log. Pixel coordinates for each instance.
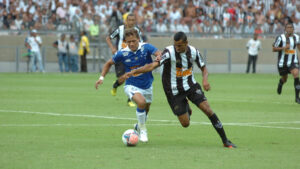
(105, 69)
(278, 49)
(146, 68)
(205, 83)
(111, 46)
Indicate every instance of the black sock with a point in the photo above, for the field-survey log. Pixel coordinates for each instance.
(280, 82)
(128, 100)
(218, 126)
(297, 87)
(116, 84)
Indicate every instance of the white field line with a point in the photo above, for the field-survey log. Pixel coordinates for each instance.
(253, 124)
(253, 101)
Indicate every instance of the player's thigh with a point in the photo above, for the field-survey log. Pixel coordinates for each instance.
(196, 95)
(136, 94)
(139, 99)
(178, 104)
(283, 71)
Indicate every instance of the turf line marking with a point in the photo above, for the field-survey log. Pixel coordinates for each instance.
(253, 101)
(118, 125)
(255, 124)
(78, 125)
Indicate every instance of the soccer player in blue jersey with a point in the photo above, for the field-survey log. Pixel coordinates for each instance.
(138, 87)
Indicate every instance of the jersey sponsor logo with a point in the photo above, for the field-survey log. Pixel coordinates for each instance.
(127, 60)
(182, 73)
(289, 51)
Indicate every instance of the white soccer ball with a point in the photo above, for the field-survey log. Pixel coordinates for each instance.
(130, 137)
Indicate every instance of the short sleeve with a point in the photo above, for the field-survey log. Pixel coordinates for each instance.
(278, 42)
(114, 33)
(151, 49)
(39, 39)
(118, 57)
(199, 59)
(165, 56)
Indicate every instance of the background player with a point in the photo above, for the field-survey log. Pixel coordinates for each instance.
(285, 45)
(138, 87)
(180, 85)
(120, 44)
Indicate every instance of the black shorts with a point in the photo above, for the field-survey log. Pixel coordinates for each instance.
(286, 70)
(179, 103)
(119, 69)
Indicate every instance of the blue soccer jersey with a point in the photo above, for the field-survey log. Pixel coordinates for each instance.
(134, 60)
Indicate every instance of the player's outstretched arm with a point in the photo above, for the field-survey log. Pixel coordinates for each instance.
(146, 68)
(205, 83)
(278, 49)
(105, 69)
(111, 46)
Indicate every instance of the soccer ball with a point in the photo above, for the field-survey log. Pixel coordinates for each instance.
(130, 137)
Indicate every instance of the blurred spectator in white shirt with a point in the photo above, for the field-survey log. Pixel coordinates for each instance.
(249, 28)
(174, 15)
(182, 26)
(161, 26)
(87, 22)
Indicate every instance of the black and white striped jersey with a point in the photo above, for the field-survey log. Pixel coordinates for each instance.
(289, 56)
(177, 69)
(119, 33)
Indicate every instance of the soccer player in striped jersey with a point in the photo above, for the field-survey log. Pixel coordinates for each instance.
(180, 85)
(138, 87)
(286, 45)
(119, 34)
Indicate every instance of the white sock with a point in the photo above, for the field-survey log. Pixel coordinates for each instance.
(141, 117)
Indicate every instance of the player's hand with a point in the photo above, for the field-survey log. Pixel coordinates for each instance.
(206, 85)
(98, 82)
(128, 74)
(158, 58)
(287, 46)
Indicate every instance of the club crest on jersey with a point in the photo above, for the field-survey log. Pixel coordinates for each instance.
(136, 58)
(198, 91)
(125, 53)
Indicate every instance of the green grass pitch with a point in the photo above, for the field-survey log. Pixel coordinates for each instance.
(59, 121)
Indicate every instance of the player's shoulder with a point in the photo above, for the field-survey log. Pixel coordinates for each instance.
(145, 45)
(280, 36)
(296, 35)
(169, 48)
(192, 48)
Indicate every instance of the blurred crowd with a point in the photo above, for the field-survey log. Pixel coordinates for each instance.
(190, 16)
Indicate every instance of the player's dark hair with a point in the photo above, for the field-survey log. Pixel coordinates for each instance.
(180, 36)
(289, 23)
(131, 32)
(130, 15)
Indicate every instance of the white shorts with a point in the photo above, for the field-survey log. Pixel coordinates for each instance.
(131, 90)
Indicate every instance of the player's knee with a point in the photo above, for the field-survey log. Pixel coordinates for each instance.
(142, 104)
(185, 124)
